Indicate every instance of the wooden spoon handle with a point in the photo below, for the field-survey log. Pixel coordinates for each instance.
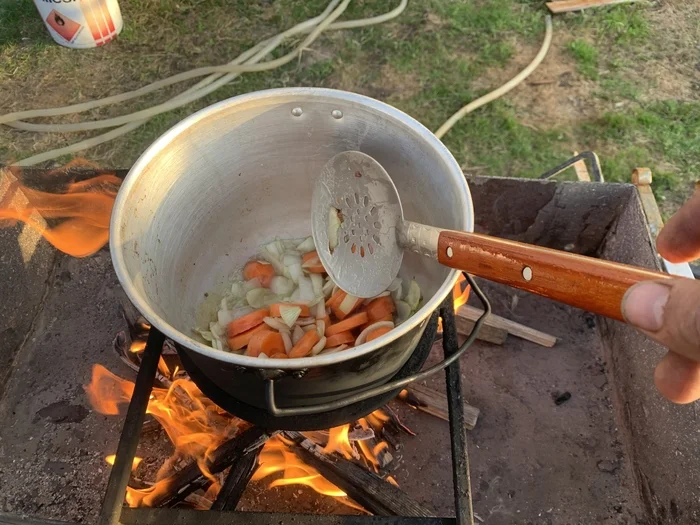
(584, 282)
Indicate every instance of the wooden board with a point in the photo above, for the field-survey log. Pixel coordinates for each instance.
(516, 329)
(435, 403)
(490, 334)
(565, 6)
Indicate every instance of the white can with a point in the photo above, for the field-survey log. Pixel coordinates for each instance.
(81, 23)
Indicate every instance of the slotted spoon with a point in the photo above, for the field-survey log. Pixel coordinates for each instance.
(360, 235)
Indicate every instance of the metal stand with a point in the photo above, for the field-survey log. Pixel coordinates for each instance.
(113, 512)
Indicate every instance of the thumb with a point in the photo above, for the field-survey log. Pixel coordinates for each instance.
(669, 312)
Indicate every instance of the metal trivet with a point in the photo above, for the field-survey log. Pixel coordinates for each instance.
(223, 511)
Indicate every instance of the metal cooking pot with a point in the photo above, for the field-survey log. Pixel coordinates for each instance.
(203, 198)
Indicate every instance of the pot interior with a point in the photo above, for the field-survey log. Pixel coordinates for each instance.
(209, 192)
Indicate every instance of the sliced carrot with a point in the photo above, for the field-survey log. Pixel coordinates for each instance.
(246, 322)
(336, 298)
(311, 263)
(377, 333)
(339, 339)
(342, 315)
(309, 256)
(389, 317)
(241, 340)
(265, 342)
(279, 356)
(379, 308)
(262, 271)
(305, 344)
(275, 309)
(347, 324)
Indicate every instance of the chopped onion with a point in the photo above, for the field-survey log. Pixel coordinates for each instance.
(273, 249)
(328, 288)
(317, 284)
(413, 295)
(262, 355)
(308, 327)
(273, 259)
(256, 297)
(217, 344)
(363, 335)
(224, 317)
(287, 340)
(206, 334)
(333, 228)
(295, 296)
(274, 322)
(321, 327)
(217, 330)
(297, 334)
(348, 304)
(370, 299)
(320, 310)
(290, 314)
(290, 244)
(403, 311)
(291, 258)
(294, 271)
(306, 290)
(237, 289)
(397, 294)
(316, 349)
(281, 285)
(251, 285)
(334, 349)
(307, 245)
(306, 321)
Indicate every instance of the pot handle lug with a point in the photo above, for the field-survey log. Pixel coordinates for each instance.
(274, 410)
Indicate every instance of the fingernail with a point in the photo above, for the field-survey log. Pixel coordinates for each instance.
(643, 305)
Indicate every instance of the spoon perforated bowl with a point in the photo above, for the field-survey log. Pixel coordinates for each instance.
(360, 235)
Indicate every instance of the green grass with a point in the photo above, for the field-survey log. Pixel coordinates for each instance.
(586, 57)
(437, 56)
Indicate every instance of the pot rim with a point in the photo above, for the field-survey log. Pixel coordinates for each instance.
(116, 240)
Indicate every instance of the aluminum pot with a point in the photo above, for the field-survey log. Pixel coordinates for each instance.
(208, 193)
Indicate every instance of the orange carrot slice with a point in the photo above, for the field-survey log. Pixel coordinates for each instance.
(264, 272)
(336, 298)
(279, 356)
(311, 263)
(380, 308)
(339, 313)
(347, 324)
(265, 342)
(241, 340)
(275, 309)
(389, 317)
(378, 333)
(339, 339)
(246, 322)
(305, 344)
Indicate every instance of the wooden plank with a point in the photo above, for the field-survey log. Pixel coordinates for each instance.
(581, 170)
(565, 6)
(513, 328)
(490, 334)
(435, 403)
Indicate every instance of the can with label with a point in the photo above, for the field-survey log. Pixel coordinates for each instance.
(81, 23)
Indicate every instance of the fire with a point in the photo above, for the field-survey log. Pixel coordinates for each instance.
(459, 296)
(196, 427)
(84, 209)
(134, 464)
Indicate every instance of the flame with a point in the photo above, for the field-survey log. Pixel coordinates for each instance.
(134, 464)
(84, 207)
(137, 346)
(196, 427)
(459, 296)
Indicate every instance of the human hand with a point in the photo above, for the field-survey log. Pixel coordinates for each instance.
(669, 311)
